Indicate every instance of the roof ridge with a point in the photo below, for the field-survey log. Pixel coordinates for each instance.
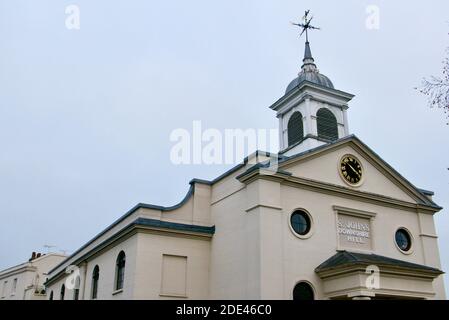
(344, 258)
(351, 254)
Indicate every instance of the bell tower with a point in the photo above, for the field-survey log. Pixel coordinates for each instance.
(311, 112)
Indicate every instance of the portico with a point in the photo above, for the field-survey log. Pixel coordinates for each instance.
(348, 275)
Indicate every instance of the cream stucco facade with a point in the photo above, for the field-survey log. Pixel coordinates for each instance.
(235, 241)
(233, 237)
(26, 281)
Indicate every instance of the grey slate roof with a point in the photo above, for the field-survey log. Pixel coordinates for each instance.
(346, 258)
(146, 222)
(314, 77)
(174, 225)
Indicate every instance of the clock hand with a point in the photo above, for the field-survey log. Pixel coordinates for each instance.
(358, 174)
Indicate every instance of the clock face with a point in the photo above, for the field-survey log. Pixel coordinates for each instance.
(351, 170)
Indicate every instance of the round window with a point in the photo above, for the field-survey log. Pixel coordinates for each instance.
(403, 240)
(300, 222)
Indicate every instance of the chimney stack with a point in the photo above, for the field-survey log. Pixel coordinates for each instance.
(33, 256)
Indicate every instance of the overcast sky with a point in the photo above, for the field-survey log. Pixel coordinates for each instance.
(86, 115)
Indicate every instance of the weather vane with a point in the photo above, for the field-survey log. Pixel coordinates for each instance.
(306, 25)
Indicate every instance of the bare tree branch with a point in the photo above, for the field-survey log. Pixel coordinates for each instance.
(437, 89)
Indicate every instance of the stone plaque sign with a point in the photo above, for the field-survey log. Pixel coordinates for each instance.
(354, 232)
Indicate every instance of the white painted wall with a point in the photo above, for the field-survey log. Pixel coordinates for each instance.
(30, 277)
(254, 254)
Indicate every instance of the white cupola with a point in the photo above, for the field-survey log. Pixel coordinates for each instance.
(311, 112)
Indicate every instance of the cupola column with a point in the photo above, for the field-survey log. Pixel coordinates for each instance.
(308, 118)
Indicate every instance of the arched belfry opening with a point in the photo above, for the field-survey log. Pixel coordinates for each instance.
(327, 126)
(295, 128)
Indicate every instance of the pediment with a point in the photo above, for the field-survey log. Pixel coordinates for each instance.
(323, 164)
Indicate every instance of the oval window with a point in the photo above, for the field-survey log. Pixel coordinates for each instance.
(300, 222)
(403, 240)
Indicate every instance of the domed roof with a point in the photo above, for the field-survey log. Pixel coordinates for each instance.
(309, 72)
(314, 77)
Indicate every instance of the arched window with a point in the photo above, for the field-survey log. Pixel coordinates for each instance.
(61, 297)
(76, 294)
(120, 271)
(95, 277)
(303, 291)
(295, 128)
(326, 124)
(51, 295)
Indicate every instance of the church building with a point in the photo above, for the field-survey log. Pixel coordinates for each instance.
(333, 220)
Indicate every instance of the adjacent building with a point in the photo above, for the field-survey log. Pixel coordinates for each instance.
(26, 281)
